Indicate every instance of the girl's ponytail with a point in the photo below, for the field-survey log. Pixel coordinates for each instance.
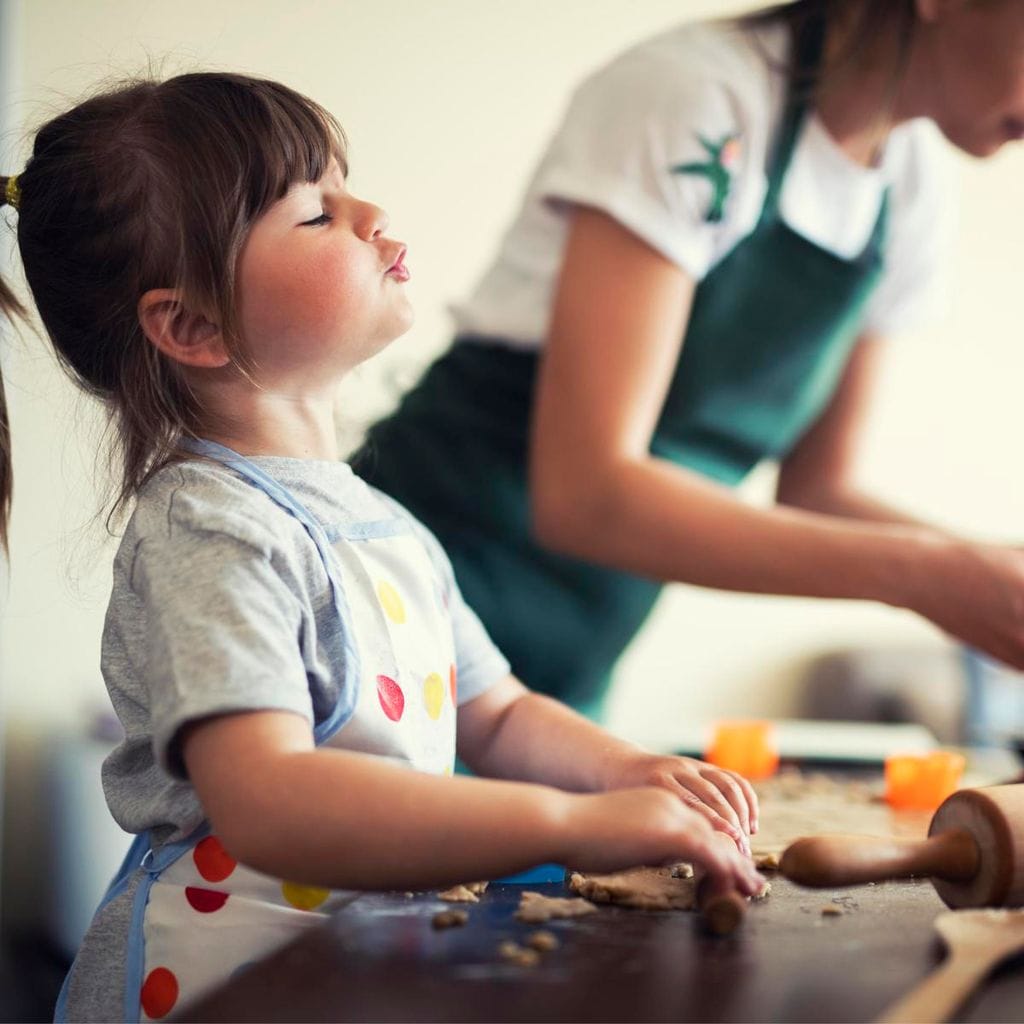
(10, 195)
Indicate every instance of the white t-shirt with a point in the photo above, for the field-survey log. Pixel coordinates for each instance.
(646, 112)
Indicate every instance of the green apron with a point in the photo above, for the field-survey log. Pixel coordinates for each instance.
(771, 329)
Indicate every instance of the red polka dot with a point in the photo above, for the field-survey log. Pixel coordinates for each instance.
(392, 700)
(212, 860)
(159, 993)
(206, 901)
(453, 685)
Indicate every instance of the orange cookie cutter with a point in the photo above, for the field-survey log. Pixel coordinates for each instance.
(747, 747)
(922, 781)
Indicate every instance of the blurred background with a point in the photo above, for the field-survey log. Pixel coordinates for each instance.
(447, 104)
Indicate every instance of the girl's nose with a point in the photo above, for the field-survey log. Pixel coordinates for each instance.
(371, 221)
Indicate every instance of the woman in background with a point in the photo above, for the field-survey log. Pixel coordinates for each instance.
(731, 220)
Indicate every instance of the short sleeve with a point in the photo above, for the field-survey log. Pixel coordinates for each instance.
(662, 144)
(222, 629)
(914, 289)
(479, 664)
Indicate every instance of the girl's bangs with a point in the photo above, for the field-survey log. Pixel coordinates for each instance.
(299, 142)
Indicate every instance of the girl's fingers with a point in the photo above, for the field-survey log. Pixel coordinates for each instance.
(732, 869)
(737, 791)
(708, 800)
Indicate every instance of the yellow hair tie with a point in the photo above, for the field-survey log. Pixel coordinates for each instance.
(12, 192)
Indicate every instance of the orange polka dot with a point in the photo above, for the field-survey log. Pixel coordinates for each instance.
(159, 993)
(206, 901)
(304, 897)
(453, 685)
(213, 862)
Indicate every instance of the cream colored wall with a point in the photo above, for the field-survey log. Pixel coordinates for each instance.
(447, 104)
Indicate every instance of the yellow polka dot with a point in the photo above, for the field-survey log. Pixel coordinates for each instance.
(304, 897)
(433, 695)
(391, 602)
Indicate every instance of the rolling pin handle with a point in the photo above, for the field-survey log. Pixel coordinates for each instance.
(721, 910)
(823, 861)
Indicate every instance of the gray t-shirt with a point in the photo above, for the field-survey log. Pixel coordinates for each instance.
(221, 603)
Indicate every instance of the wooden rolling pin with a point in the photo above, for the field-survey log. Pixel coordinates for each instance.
(722, 909)
(974, 853)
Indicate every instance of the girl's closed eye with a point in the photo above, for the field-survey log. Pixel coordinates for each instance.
(322, 218)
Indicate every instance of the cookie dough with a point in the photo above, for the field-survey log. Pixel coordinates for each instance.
(518, 955)
(542, 941)
(535, 908)
(470, 892)
(449, 919)
(643, 888)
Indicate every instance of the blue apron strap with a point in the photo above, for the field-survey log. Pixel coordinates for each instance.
(249, 471)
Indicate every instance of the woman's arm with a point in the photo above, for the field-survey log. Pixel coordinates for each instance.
(819, 474)
(330, 817)
(599, 494)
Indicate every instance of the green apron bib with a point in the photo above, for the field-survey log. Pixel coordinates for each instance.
(771, 329)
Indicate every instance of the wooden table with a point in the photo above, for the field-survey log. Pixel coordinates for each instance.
(379, 959)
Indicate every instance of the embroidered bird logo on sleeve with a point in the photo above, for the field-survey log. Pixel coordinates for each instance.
(724, 156)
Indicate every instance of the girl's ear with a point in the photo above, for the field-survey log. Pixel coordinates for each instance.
(183, 334)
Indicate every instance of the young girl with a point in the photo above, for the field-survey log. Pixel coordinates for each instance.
(283, 643)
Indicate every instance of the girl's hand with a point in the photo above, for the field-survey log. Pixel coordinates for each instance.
(629, 827)
(976, 593)
(725, 799)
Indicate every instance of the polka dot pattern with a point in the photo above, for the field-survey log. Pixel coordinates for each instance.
(433, 695)
(206, 901)
(391, 602)
(159, 993)
(212, 861)
(304, 897)
(392, 700)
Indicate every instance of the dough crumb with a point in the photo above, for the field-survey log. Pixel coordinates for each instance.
(535, 908)
(682, 870)
(831, 910)
(468, 893)
(542, 941)
(766, 861)
(518, 955)
(766, 891)
(449, 919)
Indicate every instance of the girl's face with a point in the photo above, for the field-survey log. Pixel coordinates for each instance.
(972, 59)
(320, 288)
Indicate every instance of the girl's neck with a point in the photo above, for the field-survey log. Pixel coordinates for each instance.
(253, 422)
(867, 89)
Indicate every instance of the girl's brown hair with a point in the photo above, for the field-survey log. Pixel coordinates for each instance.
(151, 185)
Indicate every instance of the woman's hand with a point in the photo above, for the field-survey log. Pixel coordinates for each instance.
(725, 799)
(649, 826)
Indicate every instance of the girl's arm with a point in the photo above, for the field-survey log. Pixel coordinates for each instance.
(512, 733)
(599, 494)
(334, 818)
